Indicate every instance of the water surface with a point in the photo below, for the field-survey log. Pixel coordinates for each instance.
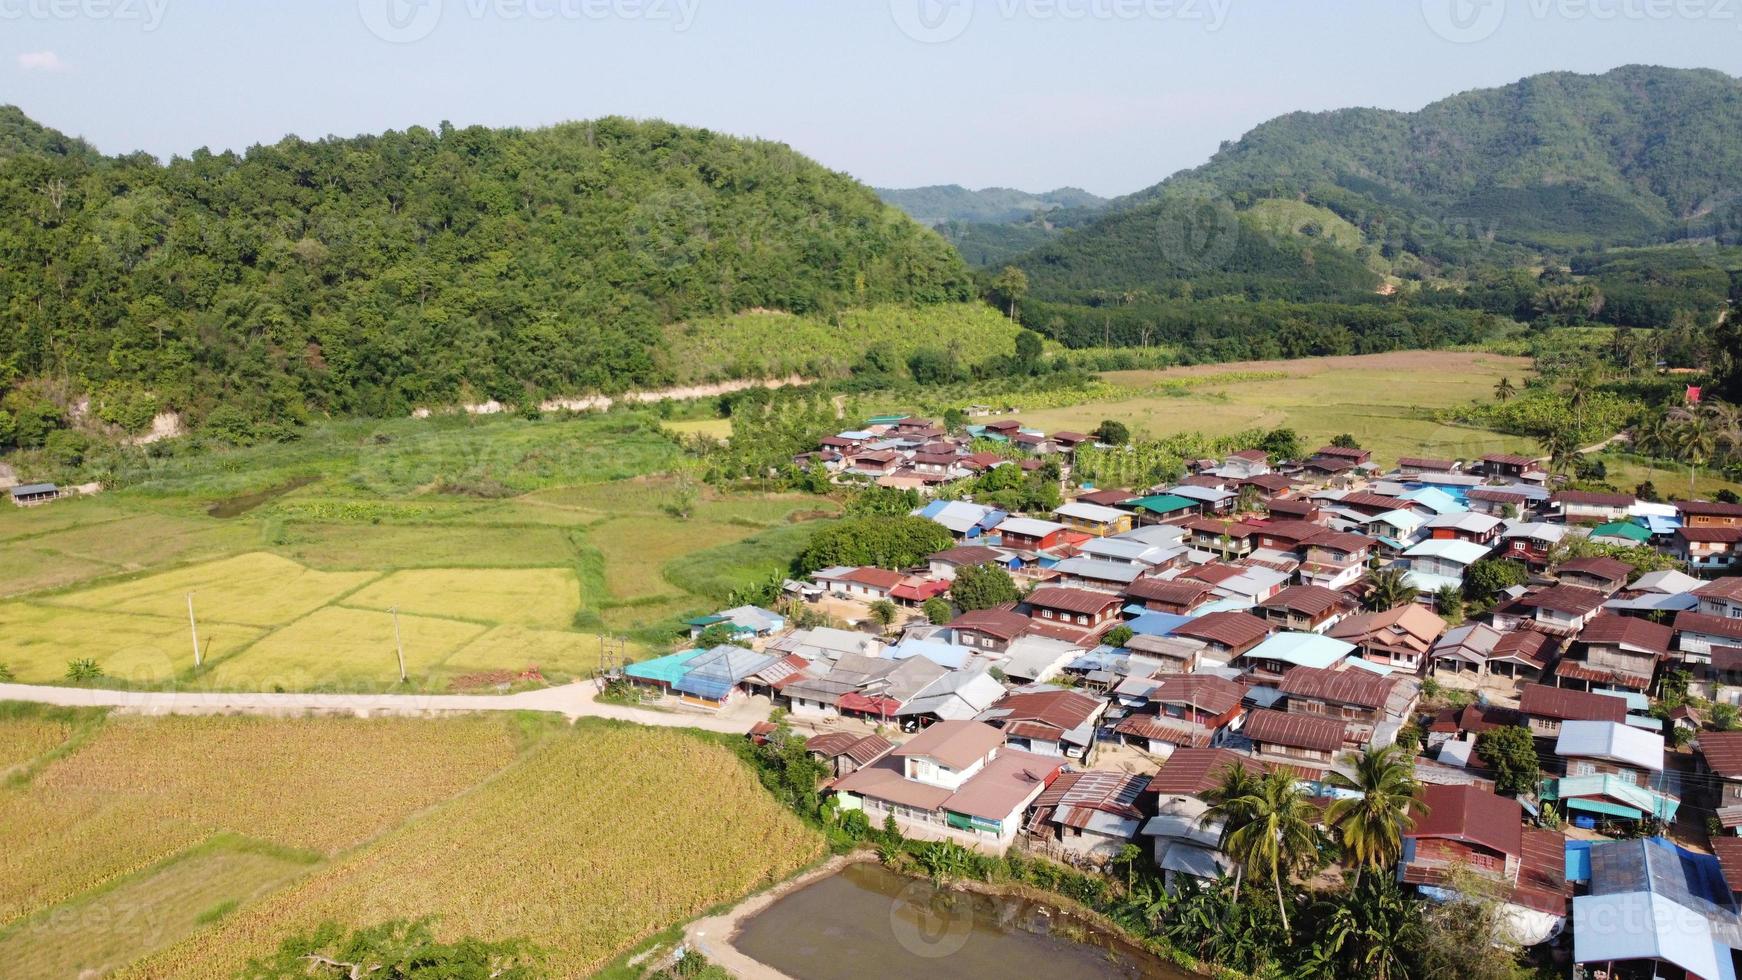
(867, 923)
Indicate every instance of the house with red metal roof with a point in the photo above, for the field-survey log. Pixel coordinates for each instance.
(1226, 635)
(1720, 756)
(1617, 653)
(1048, 721)
(956, 780)
(1559, 610)
(847, 752)
(860, 583)
(1371, 709)
(1191, 711)
(1465, 827)
(1305, 609)
(1296, 738)
(1592, 507)
(1076, 608)
(1546, 708)
(1716, 622)
(990, 630)
(1605, 575)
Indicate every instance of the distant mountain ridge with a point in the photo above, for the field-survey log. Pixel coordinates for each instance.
(1332, 205)
(992, 205)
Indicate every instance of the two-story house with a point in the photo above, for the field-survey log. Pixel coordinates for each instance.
(956, 780)
(1701, 513)
(1267, 663)
(1032, 534)
(1469, 525)
(1371, 708)
(1463, 828)
(1229, 539)
(1297, 738)
(1225, 635)
(1508, 467)
(1094, 519)
(1050, 722)
(1532, 543)
(1077, 608)
(1591, 507)
(1611, 769)
(1720, 756)
(1559, 610)
(1546, 709)
(1439, 563)
(1192, 710)
(1617, 653)
(1304, 608)
(1335, 560)
(1177, 597)
(1606, 575)
(1716, 622)
(1400, 638)
(1707, 549)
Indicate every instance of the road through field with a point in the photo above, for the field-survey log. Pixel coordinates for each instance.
(571, 701)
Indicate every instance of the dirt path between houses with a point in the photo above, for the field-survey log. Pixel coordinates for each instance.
(572, 701)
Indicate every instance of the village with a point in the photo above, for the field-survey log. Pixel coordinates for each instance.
(1284, 616)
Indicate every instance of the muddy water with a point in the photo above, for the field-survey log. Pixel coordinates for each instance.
(237, 506)
(868, 923)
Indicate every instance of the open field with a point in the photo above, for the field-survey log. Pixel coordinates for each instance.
(547, 597)
(108, 928)
(343, 649)
(142, 790)
(29, 730)
(544, 851)
(250, 590)
(1382, 399)
(37, 641)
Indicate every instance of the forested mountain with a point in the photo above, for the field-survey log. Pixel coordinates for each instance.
(1515, 200)
(375, 274)
(992, 205)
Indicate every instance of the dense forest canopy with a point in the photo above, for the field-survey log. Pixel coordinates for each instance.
(375, 274)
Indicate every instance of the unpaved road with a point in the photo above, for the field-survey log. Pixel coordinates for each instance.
(571, 701)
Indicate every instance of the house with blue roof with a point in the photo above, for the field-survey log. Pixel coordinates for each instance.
(1654, 910)
(710, 679)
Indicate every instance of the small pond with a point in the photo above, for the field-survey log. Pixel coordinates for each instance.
(237, 506)
(868, 922)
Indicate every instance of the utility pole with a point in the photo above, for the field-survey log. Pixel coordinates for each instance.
(194, 629)
(398, 644)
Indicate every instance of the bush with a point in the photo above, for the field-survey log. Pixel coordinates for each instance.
(83, 670)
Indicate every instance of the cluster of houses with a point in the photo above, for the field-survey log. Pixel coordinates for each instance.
(1223, 621)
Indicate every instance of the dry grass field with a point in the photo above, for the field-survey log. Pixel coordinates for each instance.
(344, 649)
(544, 851)
(536, 597)
(142, 790)
(1382, 399)
(253, 590)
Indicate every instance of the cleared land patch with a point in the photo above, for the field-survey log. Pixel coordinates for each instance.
(255, 589)
(345, 649)
(1381, 399)
(543, 852)
(547, 597)
(143, 789)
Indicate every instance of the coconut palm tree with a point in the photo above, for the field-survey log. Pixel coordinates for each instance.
(1696, 441)
(1276, 836)
(1388, 588)
(1229, 802)
(1371, 825)
(1504, 390)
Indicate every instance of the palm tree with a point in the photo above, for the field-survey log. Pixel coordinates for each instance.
(1504, 390)
(1696, 442)
(1276, 836)
(1228, 806)
(1371, 826)
(1388, 588)
(1562, 448)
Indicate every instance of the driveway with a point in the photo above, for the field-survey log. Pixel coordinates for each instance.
(571, 701)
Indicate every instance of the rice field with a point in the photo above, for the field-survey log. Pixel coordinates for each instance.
(141, 790)
(339, 648)
(254, 589)
(555, 653)
(537, 597)
(37, 641)
(113, 926)
(545, 851)
(28, 730)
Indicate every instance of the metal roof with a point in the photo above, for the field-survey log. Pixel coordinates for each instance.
(1301, 649)
(1611, 741)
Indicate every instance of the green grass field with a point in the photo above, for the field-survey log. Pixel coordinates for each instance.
(1382, 399)
(504, 543)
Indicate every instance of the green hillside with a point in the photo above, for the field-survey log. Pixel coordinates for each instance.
(992, 205)
(376, 274)
(1571, 198)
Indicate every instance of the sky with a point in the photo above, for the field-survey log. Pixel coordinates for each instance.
(1108, 95)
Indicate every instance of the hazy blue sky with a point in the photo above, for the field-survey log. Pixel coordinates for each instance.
(1111, 95)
